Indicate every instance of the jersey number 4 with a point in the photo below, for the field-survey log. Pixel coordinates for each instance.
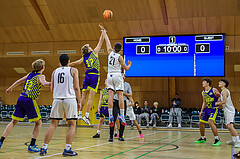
(61, 77)
(112, 61)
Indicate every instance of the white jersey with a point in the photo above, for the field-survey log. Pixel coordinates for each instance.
(63, 83)
(114, 65)
(228, 107)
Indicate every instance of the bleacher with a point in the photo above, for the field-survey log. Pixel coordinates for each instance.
(6, 112)
(190, 118)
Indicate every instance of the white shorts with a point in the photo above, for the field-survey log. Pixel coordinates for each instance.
(61, 106)
(115, 82)
(130, 113)
(229, 118)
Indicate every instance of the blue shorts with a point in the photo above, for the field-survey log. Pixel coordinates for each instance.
(104, 111)
(91, 82)
(26, 106)
(209, 114)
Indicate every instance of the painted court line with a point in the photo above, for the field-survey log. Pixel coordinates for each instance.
(139, 147)
(95, 145)
(162, 146)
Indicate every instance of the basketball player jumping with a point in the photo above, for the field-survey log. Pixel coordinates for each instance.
(92, 76)
(26, 104)
(209, 111)
(229, 111)
(115, 80)
(66, 100)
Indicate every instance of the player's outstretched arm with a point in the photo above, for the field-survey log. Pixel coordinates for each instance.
(108, 43)
(124, 66)
(78, 62)
(99, 45)
(100, 102)
(76, 87)
(43, 81)
(16, 83)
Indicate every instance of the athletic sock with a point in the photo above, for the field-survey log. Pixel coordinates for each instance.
(80, 112)
(68, 146)
(33, 141)
(45, 146)
(216, 137)
(110, 111)
(115, 132)
(2, 139)
(98, 131)
(203, 137)
(87, 115)
(140, 132)
(122, 112)
(121, 130)
(237, 138)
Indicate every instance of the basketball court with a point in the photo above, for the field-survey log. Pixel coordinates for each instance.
(172, 44)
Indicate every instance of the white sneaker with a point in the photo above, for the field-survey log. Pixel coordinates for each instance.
(179, 126)
(86, 120)
(154, 125)
(150, 122)
(169, 126)
(237, 145)
(230, 142)
(80, 117)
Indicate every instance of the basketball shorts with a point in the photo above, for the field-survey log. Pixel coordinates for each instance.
(115, 82)
(64, 106)
(209, 114)
(229, 118)
(26, 106)
(91, 82)
(130, 113)
(104, 111)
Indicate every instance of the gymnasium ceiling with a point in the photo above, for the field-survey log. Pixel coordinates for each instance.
(77, 20)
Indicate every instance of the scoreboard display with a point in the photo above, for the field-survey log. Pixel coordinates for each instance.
(175, 56)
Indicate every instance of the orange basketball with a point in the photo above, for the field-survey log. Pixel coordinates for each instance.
(107, 14)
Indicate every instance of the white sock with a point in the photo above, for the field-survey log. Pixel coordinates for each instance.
(234, 138)
(87, 114)
(68, 146)
(122, 112)
(115, 132)
(203, 137)
(110, 111)
(45, 146)
(237, 138)
(80, 112)
(98, 131)
(216, 137)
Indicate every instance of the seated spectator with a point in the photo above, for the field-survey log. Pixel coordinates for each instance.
(137, 111)
(155, 113)
(145, 113)
(175, 110)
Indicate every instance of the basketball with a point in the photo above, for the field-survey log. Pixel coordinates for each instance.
(107, 14)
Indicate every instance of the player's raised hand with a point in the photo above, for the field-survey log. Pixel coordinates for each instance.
(102, 28)
(129, 63)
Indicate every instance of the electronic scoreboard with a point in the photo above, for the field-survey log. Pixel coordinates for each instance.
(176, 56)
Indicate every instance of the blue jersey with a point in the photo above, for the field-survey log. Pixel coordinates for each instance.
(31, 87)
(104, 97)
(91, 62)
(210, 98)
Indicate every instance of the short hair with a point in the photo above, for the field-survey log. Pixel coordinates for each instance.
(176, 94)
(225, 81)
(208, 80)
(64, 58)
(37, 65)
(85, 49)
(155, 103)
(136, 103)
(117, 47)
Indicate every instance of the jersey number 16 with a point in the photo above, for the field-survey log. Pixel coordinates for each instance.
(61, 77)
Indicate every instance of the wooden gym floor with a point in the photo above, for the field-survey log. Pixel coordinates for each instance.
(168, 144)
